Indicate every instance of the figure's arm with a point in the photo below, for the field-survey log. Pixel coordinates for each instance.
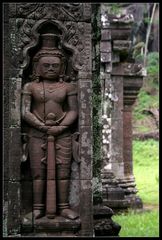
(27, 115)
(71, 114)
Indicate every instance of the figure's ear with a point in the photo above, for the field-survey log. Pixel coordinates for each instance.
(36, 73)
(36, 69)
(63, 66)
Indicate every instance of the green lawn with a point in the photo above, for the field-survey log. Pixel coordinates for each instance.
(146, 172)
(138, 224)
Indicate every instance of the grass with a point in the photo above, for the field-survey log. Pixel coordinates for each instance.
(144, 101)
(138, 224)
(146, 172)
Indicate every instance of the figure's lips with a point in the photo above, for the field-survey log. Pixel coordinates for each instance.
(51, 73)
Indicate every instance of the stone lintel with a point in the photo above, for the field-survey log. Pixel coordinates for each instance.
(121, 45)
(128, 69)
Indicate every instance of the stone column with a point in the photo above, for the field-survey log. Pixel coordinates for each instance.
(20, 21)
(132, 84)
(11, 126)
(127, 140)
(114, 41)
(125, 80)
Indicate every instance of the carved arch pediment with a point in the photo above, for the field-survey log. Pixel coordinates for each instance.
(51, 26)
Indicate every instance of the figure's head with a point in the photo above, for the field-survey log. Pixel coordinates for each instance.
(49, 60)
(49, 67)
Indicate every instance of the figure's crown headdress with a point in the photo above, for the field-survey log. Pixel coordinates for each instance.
(49, 47)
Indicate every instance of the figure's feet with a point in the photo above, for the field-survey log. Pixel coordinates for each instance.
(38, 213)
(68, 213)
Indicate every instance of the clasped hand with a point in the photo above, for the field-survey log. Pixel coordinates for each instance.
(52, 130)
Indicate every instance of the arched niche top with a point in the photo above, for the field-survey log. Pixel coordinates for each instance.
(48, 26)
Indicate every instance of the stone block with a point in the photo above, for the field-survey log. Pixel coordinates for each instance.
(105, 34)
(105, 46)
(105, 57)
(120, 34)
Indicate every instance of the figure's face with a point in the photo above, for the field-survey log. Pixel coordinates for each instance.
(49, 67)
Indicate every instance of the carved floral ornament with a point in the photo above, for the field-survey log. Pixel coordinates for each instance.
(68, 11)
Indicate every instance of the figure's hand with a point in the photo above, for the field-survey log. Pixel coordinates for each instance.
(56, 130)
(44, 128)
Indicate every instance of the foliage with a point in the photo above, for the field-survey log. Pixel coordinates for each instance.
(148, 95)
(144, 101)
(115, 8)
(153, 66)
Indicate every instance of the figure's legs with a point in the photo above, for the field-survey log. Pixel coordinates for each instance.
(38, 170)
(63, 167)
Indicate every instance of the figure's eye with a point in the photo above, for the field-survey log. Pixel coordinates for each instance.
(46, 65)
(55, 65)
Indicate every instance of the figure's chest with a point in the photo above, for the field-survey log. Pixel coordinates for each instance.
(49, 93)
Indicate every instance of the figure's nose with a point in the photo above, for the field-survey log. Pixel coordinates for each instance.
(51, 67)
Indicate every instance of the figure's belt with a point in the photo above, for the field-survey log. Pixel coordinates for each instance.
(57, 121)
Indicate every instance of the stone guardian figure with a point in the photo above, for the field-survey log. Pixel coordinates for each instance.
(49, 107)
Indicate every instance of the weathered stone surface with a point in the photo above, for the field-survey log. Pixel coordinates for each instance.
(115, 57)
(13, 221)
(103, 224)
(26, 196)
(117, 98)
(12, 9)
(105, 57)
(85, 153)
(85, 100)
(56, 225)
(15, 102)
(86, 209)
(74, 194)
(121, 45)
(67, 11)
(14, 154)
(106, 34)
(128, 166)
(105, 46)
(132, 86)
(5, 163)
(129, 69)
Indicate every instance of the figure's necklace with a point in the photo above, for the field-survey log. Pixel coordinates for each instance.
(54, 86)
